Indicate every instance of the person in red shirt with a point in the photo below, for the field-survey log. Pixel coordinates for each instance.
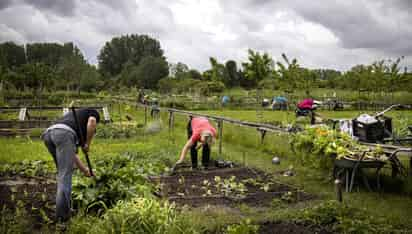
(200, 130)
(307, 107)
(306, 104)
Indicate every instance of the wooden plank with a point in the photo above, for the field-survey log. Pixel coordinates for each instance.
(22, 114)
(65, 110)
(220, 132)
(46, 107)
(389, 148)
(106, 114)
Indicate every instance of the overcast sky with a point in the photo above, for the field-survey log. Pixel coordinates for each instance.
(320, 34)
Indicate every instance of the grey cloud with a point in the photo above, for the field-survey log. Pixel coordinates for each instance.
(381, 25)
(62, 7)
(365, 30)
(5, 4)
(360, 26)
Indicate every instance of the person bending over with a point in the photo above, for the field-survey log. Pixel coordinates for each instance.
(199, 130)
(61, 140)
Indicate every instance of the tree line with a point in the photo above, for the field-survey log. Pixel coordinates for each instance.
(139, 61)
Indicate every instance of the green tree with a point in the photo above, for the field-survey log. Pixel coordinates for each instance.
(195, 74)
(218, 71)
(147, 73)
(259, 67)
(91, 79)
(12, 55)
(290, 73)
(394, 76)
(50, 54)
(233, 75)
(179, 71)
(37, 76)
(70, 70)
(120, 50)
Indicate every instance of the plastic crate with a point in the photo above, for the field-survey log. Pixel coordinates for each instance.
(374, 132)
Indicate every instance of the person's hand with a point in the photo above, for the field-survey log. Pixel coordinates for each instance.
(85, 148)
(88, 173)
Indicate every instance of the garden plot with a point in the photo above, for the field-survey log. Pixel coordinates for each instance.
(33, 195)
(228, 187)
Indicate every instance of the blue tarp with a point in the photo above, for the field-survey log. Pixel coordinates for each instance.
(225, 99)
(280, 99)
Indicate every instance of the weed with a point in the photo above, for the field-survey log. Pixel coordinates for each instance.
(245, 227)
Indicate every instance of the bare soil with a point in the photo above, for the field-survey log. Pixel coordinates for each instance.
(36, 194)
(201, 188)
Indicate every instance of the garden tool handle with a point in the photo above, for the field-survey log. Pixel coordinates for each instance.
(82, 141)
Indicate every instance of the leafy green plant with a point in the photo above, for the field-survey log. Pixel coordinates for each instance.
(229, 187)
(344, 218)
(320, 145)
(13, 221)
(142, 215)
(119, 177)
(111, 131)
(27, 168)
(245, 227)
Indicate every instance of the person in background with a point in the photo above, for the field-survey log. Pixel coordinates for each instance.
(199, 130)
(307, 107)
(155, 108)
(61, 140)
(140, 97)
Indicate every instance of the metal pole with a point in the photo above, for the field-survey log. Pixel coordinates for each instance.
(170, 121)
(338, 189)
(82, 140)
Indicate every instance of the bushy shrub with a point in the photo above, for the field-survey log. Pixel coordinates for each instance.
(55, 99)
(118, 177)
(143, 215)
(245, 227)
(110, 131)
(343, 218)
(207, 88)
(269, 84)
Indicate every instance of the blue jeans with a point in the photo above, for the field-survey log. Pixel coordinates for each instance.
(61, 144)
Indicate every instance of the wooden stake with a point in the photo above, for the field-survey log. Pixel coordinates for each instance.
(220, 129)
(171, 120)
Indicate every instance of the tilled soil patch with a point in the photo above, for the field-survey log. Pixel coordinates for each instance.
(229, 187)
(37, 195)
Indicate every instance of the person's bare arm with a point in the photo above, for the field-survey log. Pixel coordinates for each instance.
(91, 129)
(184, 151)
(81, 166)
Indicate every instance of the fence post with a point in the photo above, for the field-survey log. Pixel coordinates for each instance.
(171, 120)
(262, 135)
(220, 129)
(338, 189)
